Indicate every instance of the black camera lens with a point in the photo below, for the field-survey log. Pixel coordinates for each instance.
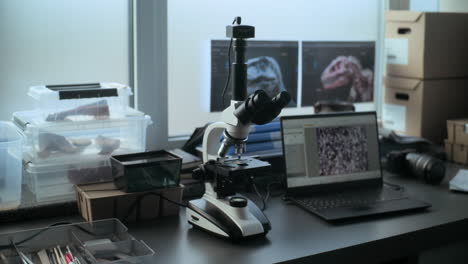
(426, 167)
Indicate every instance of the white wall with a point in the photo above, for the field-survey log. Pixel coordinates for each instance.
(56, 41)
(454, 5)
(439, 5)
(424, 5)
(192, 24)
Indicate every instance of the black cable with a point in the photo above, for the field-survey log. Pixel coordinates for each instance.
(13, 245)
(229, 68)
(138, 201)
(229, 74)
(32, 236)
(277, 181)
(281, 191)
(268, 188)
(172, 201)
(3, 247)
(395, 186)
(260, 196)
(268, 193)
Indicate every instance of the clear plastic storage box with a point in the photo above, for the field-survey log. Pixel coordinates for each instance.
(98, 100)
(56, 142)
(105, 241)
(10, 166)
(53, 182)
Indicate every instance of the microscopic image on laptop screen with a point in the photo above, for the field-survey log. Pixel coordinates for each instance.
(342, 150)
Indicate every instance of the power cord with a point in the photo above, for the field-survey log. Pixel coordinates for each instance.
(263, 199)
(268, 194)
(19, 243)
(138, 201)
(395, 186)
(12, 244)
(229, 67)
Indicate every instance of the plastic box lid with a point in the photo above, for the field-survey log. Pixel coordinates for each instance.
(99, 100)
(49, 93)
(85, 163)
(30, 119)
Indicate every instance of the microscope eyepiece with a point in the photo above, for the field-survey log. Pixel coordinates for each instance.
(260, 109)
(272, 109)
(259, 99)
(253, 104)
(282, 99)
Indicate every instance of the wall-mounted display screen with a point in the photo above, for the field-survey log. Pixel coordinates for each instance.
(337, 71)
(271, 66)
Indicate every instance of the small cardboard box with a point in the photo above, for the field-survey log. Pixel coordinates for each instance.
(457, 152)
(458, 131)
(103, 200)
(422, 107)
(426, 45)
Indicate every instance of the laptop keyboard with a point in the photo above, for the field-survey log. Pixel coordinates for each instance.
(350, 199)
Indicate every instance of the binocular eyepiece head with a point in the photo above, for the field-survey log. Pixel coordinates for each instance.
(260, 109)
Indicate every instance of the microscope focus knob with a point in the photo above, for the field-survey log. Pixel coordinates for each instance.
(238, 202)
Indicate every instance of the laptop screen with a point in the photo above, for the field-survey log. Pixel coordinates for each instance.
(325, 149)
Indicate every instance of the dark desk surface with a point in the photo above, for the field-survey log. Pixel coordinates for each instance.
(300, 237)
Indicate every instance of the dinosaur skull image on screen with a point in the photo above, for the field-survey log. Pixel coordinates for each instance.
(264, 73)
(347, 72)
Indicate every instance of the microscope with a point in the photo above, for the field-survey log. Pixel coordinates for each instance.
(221, 210)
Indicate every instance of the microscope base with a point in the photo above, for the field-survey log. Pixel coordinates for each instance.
(218, 217)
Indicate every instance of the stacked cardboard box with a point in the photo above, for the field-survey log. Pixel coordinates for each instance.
(456, 145)
(427, 72)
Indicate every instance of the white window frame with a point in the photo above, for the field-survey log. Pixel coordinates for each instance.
(150, 67)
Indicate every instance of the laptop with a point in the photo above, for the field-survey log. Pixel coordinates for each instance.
(333, 167)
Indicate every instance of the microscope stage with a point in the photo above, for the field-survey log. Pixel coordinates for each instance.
(243, 166)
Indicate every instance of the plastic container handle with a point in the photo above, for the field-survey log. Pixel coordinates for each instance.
(402, 96)
(80, 91)
(404, 31)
